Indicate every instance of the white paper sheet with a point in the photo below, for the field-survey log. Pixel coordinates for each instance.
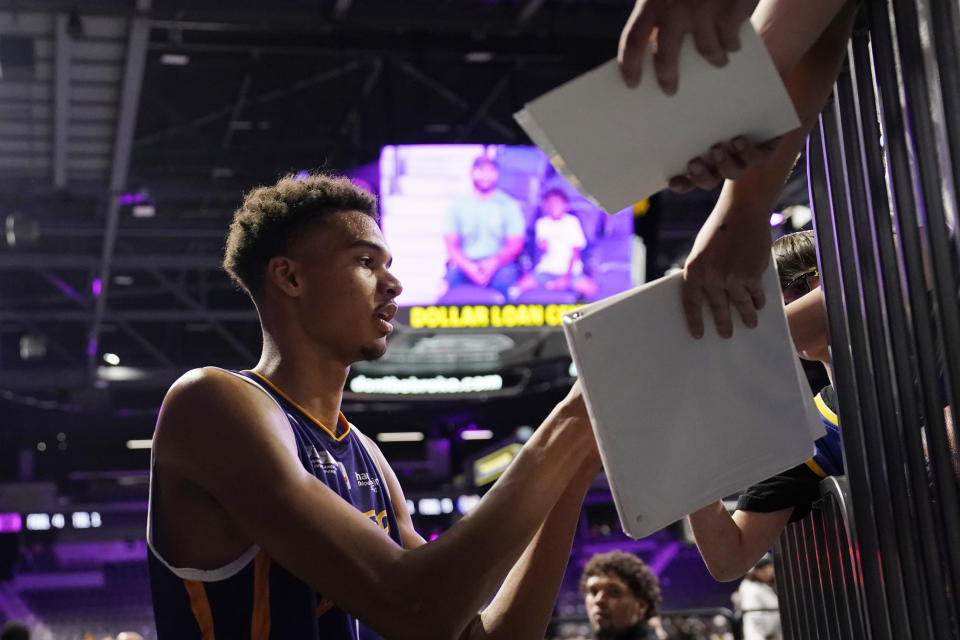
(683, 422)
(618, 145)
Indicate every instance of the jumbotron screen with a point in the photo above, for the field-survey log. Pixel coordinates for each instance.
(493, 236)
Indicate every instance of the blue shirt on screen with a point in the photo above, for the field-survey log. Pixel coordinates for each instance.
(484, 225)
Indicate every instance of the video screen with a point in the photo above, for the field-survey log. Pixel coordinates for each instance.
(496, 225)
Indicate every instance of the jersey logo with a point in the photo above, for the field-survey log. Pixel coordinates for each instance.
(326, 463)
(366, 480)
(380, 518)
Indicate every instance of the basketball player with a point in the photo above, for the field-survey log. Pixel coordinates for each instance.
(271, 516)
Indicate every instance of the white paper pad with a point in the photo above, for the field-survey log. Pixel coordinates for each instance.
(618, 145)
(683, 422)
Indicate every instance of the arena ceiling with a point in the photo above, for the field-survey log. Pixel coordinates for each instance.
(183, 105)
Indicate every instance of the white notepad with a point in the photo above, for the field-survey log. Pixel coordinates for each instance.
(683, 422)
(618, 145)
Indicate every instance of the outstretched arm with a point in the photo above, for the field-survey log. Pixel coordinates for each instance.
(523, 605)
(731, 545)
(733, 247)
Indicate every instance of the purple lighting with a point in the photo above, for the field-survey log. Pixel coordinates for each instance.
(131, 198)
(301, 175)
(92, 346)
(10, 523)
(96, 287)
(776, 219)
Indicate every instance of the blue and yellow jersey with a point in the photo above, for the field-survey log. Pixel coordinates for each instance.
(828, 461)
(253, 597)
(798, 488)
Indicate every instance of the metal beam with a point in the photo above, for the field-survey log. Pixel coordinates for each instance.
(55, 345)
(205, 314)
(144, 342)
(454, 99)
(61, 101)
(340, 8)
(481, 111)
(122, 146)
(529, 10)
(10, 261)
(263, 98)
(138, 315)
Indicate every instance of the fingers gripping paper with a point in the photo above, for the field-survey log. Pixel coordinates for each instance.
(618, 145)
(683, 422)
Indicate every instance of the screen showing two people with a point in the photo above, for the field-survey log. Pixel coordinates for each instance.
(470, 225)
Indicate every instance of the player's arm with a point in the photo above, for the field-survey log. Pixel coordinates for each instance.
(524, 604)
(731, 545)
(214, 433)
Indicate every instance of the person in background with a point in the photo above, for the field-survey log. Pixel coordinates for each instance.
(484, 233)
(560, 239)
(731, 545)
(621, 596)
(758, 602)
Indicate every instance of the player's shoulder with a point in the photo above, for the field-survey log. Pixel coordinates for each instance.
(211, 396)
(204, 383)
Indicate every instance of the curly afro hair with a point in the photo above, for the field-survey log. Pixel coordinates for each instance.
(271, 217)
(633, 571)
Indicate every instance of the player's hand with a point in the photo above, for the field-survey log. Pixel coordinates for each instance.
(724, 161)
(663, 24)
(724, 269)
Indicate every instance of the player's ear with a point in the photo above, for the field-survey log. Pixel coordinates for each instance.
(282, 272)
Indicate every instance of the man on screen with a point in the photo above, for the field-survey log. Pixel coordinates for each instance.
(484, 233)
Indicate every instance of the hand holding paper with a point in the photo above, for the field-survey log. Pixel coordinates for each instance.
(618, 145)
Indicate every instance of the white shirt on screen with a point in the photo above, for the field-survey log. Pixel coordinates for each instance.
(561, 237)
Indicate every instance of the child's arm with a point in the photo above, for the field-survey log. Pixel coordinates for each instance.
(731, 545)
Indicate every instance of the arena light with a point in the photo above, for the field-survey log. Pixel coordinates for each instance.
(139, 444)
(491, 466)
(10, 522)
(776, 219)
(175, 59)
(38, 522)
(414, 385)
(476, 434)
(400, 436)
(429, 507)
(467, 502)
(111, 359)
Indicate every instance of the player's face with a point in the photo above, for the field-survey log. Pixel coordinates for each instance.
(485, 176)
(611, 605)
(347, 291)
(555, 207)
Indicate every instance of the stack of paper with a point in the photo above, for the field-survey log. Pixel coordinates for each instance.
(683, 422)
(618, 145)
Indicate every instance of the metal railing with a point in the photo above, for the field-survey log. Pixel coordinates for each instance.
(883, 561)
